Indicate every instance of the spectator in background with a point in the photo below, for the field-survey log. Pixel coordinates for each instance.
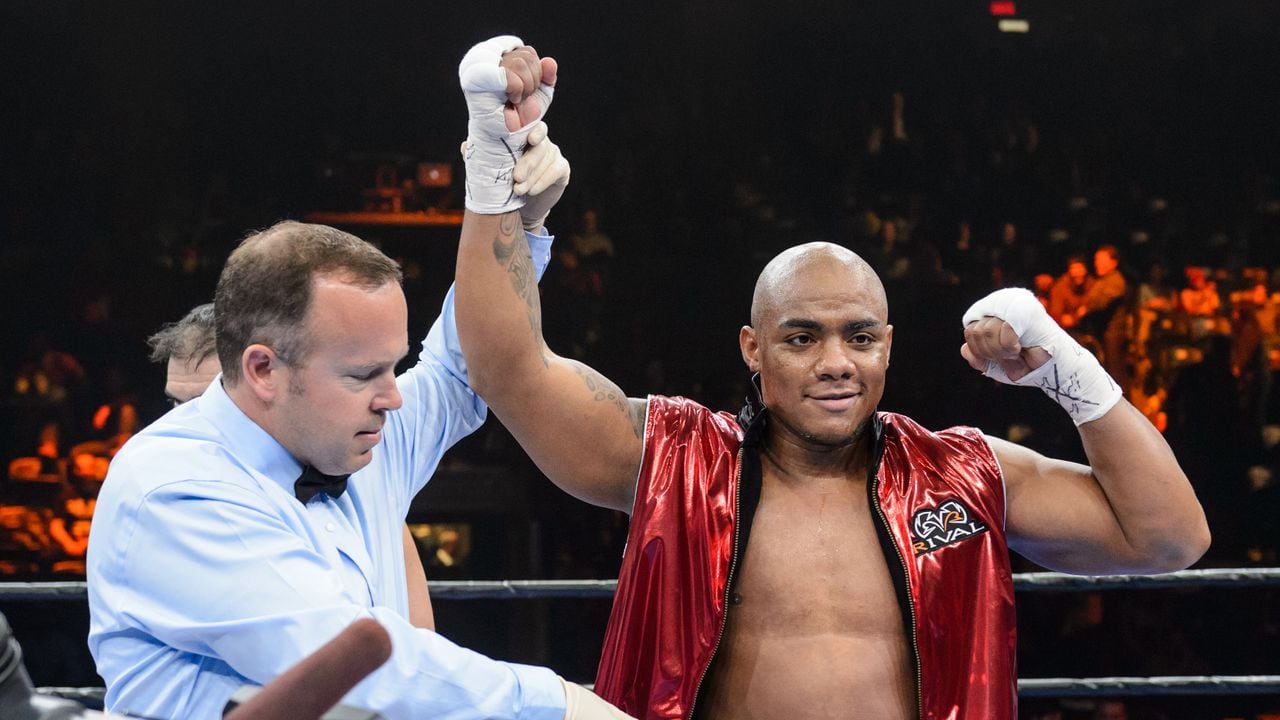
(1067, 296)
(1012, 259)
(1153, 332)
(1104, 315)
(1156, 299)
(1250, 362)
(1200, 301)
(447, 552)
(886, 253)
(1155, 293)
(1044, 288)
(1106, 292)
(592, 245)
(1266, 311)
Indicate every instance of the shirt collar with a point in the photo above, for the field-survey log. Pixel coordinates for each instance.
(249, 442)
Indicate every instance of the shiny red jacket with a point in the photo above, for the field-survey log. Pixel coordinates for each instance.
(940, 503)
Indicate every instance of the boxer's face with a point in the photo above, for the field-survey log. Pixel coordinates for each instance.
(822, 351)
(333, 410)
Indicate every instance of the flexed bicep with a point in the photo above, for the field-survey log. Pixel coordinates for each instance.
(577, 425)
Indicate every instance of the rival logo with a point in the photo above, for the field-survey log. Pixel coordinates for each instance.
(949, 523)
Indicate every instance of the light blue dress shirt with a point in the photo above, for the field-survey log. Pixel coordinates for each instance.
(205, 573)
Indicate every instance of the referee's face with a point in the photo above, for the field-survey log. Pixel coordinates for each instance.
(332, 414)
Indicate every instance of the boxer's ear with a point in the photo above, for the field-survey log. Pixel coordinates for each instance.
(750, 347)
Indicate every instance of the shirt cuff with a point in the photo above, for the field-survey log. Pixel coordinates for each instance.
(540, 249)
(541, 694)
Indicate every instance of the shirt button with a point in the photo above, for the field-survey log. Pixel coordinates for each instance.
(735, 599)
(330, 527)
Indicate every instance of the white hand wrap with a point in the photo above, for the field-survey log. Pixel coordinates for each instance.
(492, 151)
(1072, 376)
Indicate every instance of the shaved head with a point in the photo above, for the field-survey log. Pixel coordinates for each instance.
(820, 340)
(789, 272)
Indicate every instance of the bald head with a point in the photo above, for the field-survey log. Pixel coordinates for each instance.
(795, 269)
(819, 340)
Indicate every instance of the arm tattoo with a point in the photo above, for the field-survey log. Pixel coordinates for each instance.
(604, 390)
(639, 415)
(512, 252)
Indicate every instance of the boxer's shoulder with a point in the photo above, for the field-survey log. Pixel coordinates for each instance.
(682, 415)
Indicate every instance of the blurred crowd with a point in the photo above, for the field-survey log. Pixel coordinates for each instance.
(1176, 292)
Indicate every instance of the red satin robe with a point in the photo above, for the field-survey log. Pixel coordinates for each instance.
(939, 498)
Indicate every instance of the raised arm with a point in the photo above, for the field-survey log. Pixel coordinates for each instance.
(1132, 510)
(579, 427)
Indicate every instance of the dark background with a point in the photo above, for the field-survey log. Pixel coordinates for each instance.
(140, 140)
(135, 132)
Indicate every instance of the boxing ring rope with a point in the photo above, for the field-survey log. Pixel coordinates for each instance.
(533, 589)
(1100, 687)
(1095, 687)
(1211, 577)
(1149, 686)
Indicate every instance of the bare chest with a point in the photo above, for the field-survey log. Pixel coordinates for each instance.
(813, 630)
(814, 563)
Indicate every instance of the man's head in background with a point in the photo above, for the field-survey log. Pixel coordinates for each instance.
(1106, 260)
(189, 348)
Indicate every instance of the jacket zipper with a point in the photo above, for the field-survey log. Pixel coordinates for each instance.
(728, 586)
(906, 577)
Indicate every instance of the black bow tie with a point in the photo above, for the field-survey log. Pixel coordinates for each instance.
(312, 481)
